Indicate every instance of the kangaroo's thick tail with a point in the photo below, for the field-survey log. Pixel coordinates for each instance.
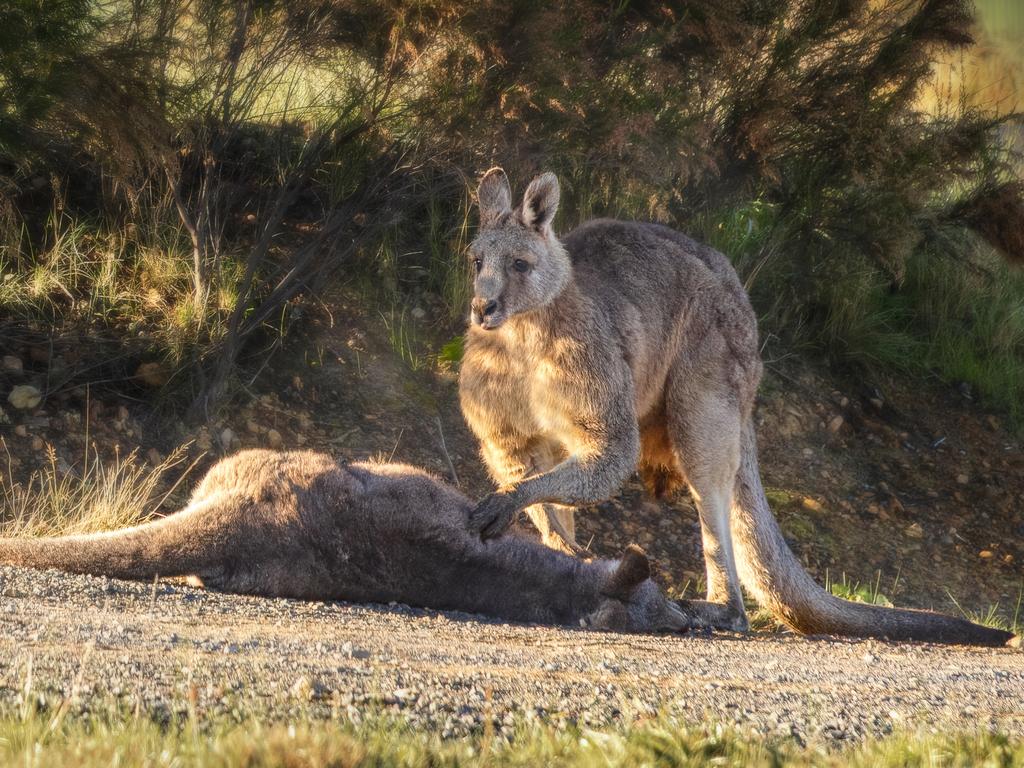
(771, 572)
(178, 545)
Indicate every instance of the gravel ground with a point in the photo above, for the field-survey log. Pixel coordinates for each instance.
(171, 648)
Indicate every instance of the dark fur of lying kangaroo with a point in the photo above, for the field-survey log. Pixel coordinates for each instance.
(302, 525)
(626, 345)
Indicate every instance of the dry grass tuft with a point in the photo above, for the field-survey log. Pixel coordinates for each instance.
(60, 500)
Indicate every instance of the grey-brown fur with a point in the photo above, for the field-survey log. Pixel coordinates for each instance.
(301, 525)
(627, 345)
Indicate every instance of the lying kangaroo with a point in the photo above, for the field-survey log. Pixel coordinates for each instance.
(301, 525)
(626, 343)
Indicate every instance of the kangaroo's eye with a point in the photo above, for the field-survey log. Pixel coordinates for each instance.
(478, 264)
(520, 265)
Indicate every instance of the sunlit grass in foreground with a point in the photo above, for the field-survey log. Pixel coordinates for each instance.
(111, 738)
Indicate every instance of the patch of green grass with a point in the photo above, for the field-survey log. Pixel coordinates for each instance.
(404, 338)
(994, 616)
(448, 235)
(451, 352)
(949, 307)
(115, 737)
(778, 498)
(870, 593)
(131, 282)
(974, 319)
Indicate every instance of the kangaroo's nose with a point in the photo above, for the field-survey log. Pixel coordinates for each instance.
(484, 307)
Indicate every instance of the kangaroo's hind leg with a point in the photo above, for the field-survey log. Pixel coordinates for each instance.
(704, 428)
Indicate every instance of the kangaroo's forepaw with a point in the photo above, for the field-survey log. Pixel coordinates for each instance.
(493, 515)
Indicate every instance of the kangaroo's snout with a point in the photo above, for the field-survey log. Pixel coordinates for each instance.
(486, 313)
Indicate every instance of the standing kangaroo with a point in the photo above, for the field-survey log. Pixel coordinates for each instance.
(625, 344)
(301, 525)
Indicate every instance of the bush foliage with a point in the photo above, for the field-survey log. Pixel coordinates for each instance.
(219, 159)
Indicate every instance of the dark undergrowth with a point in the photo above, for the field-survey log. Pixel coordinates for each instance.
(178, 180)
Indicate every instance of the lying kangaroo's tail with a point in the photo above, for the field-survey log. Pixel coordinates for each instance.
(772, 573)
(178, 545)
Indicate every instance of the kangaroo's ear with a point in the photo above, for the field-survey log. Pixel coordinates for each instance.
(540, 202)
(634, 569)
(494, 195)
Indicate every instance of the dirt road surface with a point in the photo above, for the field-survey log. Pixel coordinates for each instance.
(169, 648)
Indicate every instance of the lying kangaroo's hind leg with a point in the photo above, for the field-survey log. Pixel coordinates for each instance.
(557, 526)
(705, 434)
(556, 522)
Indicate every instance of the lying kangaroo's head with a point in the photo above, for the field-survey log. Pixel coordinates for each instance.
(631, 602)
(520, 265)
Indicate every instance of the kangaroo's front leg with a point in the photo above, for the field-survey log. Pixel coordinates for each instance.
(510, 459)
(592, 474)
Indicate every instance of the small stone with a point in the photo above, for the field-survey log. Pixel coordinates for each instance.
(309, 690)
(37, 443)
(152, 374)
(203, 441)
(986, 554)
(877, 402)
(835, 424)
(274, 439)
(252, 427)
(812, 504)
(915, 531)
(21, 430)
(963, 479)
(227, 437)
(302, 689)
(154, 457)
(24, 396)
(418, 313)
(13, 364)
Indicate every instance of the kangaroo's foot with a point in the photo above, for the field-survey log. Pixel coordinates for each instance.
(721, 616)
